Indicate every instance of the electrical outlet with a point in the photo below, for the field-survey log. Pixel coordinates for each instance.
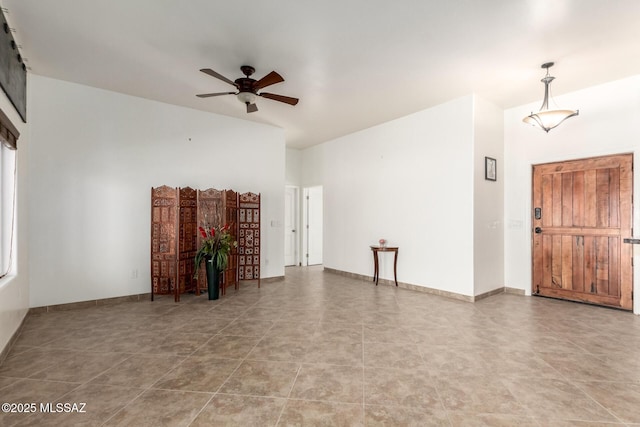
(134, 273)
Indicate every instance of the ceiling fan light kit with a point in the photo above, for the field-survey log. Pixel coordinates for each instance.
(246, 97)
(248, 87)
(547, 119)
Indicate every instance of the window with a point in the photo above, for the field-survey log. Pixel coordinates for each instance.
(8, 145)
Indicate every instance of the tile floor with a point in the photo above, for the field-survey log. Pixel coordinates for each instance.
(322, 349)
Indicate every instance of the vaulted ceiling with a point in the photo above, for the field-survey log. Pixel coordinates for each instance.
(352, 63)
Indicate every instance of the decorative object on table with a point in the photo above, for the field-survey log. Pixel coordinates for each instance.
(490, 169)
(382, 243)
(547, 119)
(215, 249)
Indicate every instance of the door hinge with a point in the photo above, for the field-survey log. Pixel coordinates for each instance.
(307, 255)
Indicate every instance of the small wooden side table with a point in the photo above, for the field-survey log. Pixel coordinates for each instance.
(376, 266)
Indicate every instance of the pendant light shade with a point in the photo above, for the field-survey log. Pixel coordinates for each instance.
(547, 119)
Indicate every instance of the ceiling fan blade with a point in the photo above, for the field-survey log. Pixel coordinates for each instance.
(281, 98)
(251, 108)
(268, 80)
(212, 73)
(207, 95)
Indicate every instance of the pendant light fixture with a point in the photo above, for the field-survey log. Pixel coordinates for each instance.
(547, 119)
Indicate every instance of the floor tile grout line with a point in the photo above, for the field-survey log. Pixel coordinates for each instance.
(150, 387)
(239, 364)
(532, 413)
(142, 391)
(585, 392)
(195, 417)
(286, 402)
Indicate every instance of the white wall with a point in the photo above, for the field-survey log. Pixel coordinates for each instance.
(488, 196)
(312, 166)
(14, 289)
(293, 167)
(94, 157)
(608, 124)
(409, 181)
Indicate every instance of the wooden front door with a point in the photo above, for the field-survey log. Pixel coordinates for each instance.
(582, 211)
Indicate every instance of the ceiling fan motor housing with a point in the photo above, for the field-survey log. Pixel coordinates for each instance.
(245, 84)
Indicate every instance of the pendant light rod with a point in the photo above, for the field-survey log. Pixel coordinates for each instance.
(547, 81)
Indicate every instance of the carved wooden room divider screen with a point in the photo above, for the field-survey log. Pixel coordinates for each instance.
(249, 237)
(164, 222)
(173, 240)
(176, 216)
(230, 276)
(187, 232)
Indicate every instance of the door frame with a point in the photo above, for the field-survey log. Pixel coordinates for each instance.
(307, 230)
(296, 225)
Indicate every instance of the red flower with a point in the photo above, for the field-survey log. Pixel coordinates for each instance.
(213, 232)
(226, 227)
(204, 233)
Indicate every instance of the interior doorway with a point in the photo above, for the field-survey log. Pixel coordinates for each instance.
(582, 212)
(312, 218)
(291, 225)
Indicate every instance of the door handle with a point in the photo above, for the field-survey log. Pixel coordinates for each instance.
(537, 230)
(631, 241)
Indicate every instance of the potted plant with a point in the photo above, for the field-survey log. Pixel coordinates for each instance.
(214, 250)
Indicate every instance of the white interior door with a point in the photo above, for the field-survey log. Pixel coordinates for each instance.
(291, 226)
(313, 226)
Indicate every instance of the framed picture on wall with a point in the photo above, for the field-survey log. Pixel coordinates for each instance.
(490, 169)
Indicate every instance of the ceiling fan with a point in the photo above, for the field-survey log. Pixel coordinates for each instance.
(248, 87)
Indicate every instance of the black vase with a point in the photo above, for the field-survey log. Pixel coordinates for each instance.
(213, 279)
